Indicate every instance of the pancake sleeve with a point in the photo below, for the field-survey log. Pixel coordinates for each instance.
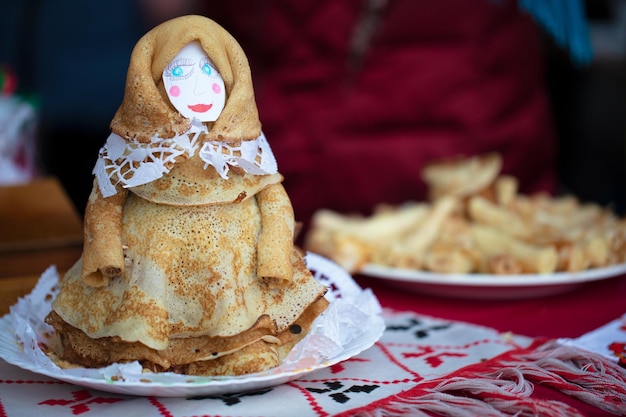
(103, 256)
(276, 237)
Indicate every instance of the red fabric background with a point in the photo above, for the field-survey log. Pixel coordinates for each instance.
(440, 78)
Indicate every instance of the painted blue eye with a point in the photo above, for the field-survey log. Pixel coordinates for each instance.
(181, 69)
(177, 72)
(206, 68)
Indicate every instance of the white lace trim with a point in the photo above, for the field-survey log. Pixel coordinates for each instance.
(254, 156)
(131, 163)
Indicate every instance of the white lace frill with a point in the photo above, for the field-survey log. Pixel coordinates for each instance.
(130, 163)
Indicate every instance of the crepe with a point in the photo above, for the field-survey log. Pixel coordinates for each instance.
(193, 272)
(461, 177)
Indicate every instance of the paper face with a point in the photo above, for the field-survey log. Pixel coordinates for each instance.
(193, 84)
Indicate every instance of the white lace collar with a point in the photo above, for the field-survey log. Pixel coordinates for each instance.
(130, 163)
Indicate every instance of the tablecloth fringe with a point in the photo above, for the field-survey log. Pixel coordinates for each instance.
(504, 394)
(578, 373)
(505, 388)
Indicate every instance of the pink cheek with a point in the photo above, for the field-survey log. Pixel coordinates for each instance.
(174, 91)
(216, 88)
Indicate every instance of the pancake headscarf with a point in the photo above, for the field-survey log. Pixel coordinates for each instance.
(146, 110)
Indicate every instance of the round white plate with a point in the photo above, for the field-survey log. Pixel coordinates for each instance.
(21, 334)
(487, 285)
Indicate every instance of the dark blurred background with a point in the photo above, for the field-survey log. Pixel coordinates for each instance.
(71, 59)
(590, 110)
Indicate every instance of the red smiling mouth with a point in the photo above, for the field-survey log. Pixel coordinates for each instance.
(200, 108)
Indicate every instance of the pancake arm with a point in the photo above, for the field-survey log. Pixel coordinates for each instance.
(103, 256)
(276, 238)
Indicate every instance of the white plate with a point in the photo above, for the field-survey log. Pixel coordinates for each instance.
(21, 333)
(489, 286)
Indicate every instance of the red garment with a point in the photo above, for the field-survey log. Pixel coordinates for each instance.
(439, 79)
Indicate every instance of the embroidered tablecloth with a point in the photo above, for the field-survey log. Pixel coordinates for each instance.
(420, 364)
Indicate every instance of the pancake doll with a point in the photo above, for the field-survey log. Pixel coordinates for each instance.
(188, 262)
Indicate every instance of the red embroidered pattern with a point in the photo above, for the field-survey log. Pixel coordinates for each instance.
(81, 401)
(619, 350)
(160, 407)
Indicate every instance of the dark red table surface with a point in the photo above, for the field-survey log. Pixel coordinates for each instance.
(568, 314)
